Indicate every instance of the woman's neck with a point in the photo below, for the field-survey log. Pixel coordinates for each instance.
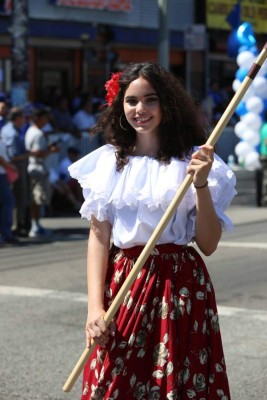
(146, 147)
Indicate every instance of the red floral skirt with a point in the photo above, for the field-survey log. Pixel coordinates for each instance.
(168, 343)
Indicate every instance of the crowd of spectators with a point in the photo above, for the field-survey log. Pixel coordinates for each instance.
(38, 142)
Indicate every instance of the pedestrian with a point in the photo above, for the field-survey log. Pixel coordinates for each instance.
(73, 154)
(6, 199)
(3, 113)
(16, 151)
(62, 118)
(164, 342)
(66, 190)
(84, 119)
(36, 143)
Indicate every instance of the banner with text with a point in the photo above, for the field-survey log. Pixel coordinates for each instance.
(109, 5)
(252, 11)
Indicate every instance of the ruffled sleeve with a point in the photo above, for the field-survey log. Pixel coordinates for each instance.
(96, 173)
(222, 183)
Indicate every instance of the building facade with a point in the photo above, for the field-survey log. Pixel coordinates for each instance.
(75, 43)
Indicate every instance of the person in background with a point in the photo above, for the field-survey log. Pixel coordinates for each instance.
(17, 153)
(63, 119)
(3, 113)
(65, 187)
(84, 119)
(6, 200)
(73, 154)
(36, 143)
(168, 321)
(76, 100)
(213, 102)
(27, 111)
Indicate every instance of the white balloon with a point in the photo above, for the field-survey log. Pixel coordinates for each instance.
(252, 120)
(245, 59)
(240, 128)
(251, 137)
(236, 84)
(262, 71)
(249, 93)
(243, 148)
(252, 160)
(260, 86)
(255, 104)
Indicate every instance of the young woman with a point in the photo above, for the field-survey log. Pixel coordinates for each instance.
(164, 342)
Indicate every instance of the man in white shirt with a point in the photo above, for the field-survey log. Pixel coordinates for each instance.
(36, 143)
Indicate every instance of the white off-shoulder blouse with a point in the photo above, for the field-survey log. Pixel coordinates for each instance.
(134, 199)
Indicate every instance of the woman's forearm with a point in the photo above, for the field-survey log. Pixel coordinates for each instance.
(97, 262)
(208, 227)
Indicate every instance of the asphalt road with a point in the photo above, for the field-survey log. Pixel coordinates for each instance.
(43, 308)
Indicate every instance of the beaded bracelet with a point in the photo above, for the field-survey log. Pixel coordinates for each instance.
(200, 187)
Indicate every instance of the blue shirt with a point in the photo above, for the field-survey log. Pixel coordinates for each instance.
(2, 122)
(11, 138)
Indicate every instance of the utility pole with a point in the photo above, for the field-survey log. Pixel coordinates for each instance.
(19, 55)
(163, 51)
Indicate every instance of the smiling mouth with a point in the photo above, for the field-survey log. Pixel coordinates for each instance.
(142, 120)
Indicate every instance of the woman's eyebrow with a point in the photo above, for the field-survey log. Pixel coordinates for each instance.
(146, 95)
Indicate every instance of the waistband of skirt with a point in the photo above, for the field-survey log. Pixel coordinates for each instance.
(158, 250)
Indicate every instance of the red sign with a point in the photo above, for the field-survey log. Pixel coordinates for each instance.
(110, 5)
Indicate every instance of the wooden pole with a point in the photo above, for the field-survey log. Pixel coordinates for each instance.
(167, 216)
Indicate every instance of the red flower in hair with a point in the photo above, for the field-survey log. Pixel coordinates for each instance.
(112, 87)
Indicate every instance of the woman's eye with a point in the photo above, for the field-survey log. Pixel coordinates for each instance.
(131, 102)
(152, 99)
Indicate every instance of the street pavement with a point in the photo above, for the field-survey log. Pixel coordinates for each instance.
(43, 311)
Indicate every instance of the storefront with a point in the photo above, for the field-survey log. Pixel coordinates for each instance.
(78, 43)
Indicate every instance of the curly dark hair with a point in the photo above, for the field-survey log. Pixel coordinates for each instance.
(180, 128)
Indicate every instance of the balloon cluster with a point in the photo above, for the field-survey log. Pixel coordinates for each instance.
(253, 106)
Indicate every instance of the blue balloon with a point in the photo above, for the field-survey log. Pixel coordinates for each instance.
(241, 73)
(241, 109)
(246, 35)
(242, 37)
(233, 44)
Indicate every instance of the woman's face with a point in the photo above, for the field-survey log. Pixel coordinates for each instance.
(142, 107)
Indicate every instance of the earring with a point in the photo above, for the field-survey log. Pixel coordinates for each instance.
(125, 129)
